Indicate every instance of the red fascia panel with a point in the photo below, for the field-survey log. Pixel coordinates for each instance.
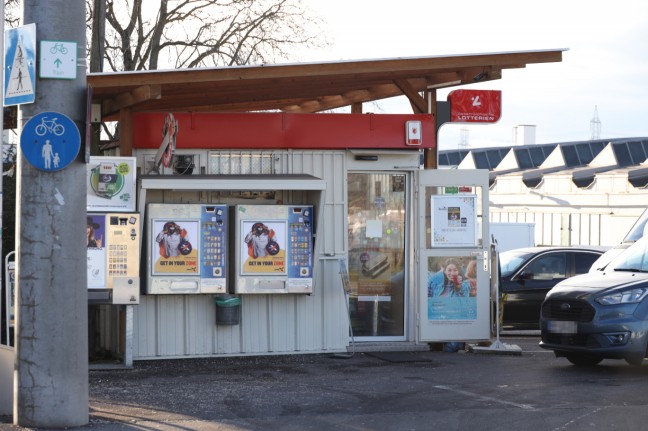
(283, 131)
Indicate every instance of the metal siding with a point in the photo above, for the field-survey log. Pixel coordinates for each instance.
(184, 325)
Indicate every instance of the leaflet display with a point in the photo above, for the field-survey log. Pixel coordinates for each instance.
(187, 248)
(274, 249)
(113, 249)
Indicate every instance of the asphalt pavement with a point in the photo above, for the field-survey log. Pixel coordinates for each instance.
(370, 391)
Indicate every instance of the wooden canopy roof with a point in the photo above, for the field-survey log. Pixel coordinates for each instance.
(301, 88)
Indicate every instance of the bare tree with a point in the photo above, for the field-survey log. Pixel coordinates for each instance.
(12, 12)
(202, 33)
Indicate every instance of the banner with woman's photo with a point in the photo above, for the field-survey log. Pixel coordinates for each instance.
(452, 288)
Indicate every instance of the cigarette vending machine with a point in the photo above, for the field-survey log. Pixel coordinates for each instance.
(113, 249)
(274, 249)
(187, 248)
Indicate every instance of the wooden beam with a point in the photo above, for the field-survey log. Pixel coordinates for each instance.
(417, 102)
(131, 98)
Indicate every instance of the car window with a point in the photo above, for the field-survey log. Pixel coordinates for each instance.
(547, 267)
(510, 261)
(584, 261)
(635, 258)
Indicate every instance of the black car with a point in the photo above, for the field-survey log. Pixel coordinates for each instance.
(529, 273)
(601, 315)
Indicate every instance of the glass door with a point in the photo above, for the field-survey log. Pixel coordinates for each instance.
(377, 254)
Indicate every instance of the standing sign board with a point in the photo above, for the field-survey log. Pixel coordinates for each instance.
(20, 65)
(50, 141)
(453, 277)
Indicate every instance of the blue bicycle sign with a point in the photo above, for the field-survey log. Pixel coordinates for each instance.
(50, 141)
(49, 126)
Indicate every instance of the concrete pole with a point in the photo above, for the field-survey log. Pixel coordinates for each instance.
(51, 378)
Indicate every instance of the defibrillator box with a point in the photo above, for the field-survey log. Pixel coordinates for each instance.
(186, 248)
(273, 249)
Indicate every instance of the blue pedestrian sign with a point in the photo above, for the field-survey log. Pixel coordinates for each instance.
(20, 65)
(50, 141)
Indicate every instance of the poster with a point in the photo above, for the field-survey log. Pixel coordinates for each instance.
(452, 288)
(263, 247)
(453, 221)
(96, 250)
(175, 247)
(110, 184)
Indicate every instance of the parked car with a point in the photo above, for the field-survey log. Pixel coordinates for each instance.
(602, 314)
(638, 230)
(529, 273)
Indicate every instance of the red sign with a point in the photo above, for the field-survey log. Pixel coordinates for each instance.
(283, 130)
(475, 106)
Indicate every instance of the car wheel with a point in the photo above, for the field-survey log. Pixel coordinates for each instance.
(583, 359)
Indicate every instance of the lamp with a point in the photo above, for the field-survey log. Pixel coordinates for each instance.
(480, 76)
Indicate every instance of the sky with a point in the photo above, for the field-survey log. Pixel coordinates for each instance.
(603, 71)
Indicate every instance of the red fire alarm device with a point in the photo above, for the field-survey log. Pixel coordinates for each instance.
(413, 135)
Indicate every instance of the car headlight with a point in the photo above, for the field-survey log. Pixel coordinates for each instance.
(624, 297)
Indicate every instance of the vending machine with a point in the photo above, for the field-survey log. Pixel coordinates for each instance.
(274, 249)
(187, 248)
(113, 249)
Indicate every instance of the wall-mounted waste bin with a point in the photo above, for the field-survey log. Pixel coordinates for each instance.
(228, 309)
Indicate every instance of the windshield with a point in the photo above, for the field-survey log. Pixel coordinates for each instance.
(510, 261)
(635, 258)
(638, 229)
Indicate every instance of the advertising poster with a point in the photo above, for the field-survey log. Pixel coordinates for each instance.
(110, 184)
(453, 221)
(175, 248)
(263, 249)
(452, 288)
(95, 243)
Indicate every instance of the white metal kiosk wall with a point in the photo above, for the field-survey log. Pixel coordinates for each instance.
(167, 326)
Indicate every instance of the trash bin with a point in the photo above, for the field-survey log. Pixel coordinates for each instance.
(228, 309)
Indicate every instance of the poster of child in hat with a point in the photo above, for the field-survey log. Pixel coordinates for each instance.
(175, 247)
(263, 249)
(95, 244)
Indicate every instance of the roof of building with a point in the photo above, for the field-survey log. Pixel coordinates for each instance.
(301, 88)
(583, 160)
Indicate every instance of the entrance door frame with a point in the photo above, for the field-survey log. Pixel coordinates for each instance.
(408, 248)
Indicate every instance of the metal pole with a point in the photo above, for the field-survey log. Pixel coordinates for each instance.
(51, 377)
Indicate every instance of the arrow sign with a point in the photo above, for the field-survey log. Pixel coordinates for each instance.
(58, 59)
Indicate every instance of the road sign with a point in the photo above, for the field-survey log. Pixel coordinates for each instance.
(20, 61)
(50, 141)
(58, 59)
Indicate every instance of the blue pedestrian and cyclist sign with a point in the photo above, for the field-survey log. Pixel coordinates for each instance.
(50, 141)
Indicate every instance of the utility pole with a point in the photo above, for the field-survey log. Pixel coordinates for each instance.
(51, 377)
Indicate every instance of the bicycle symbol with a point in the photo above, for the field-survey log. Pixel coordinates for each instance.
(49, 126)
(58, 47)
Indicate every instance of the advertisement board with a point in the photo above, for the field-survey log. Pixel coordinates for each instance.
(274, 249)
(110, 184)
(187, 248)
(453, 221)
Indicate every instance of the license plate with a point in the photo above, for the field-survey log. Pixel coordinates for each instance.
(562, 327)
